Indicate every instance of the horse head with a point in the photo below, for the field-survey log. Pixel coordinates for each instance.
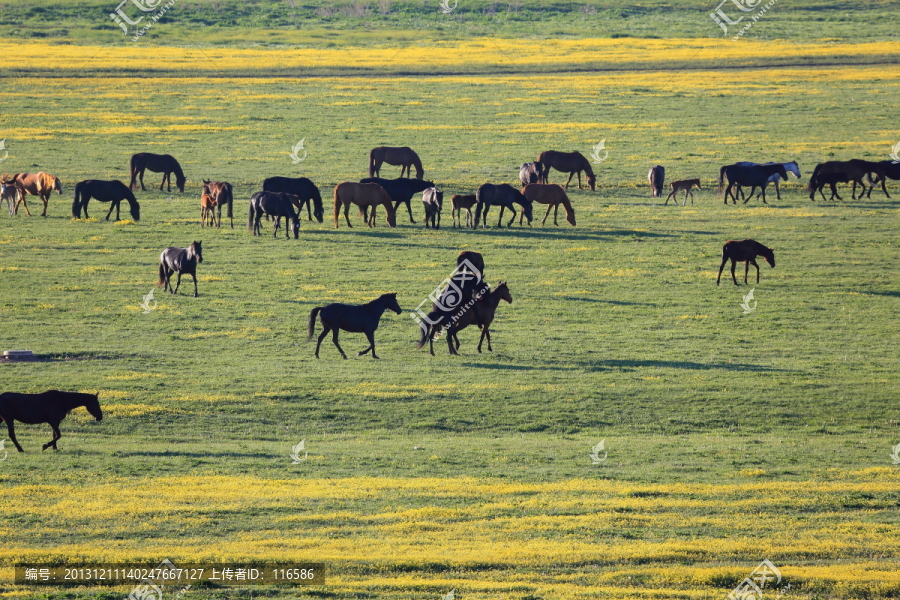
(527, 207)
(769, 255)
(57, 185)
(502, 291)
(92, 404)
(794, 168)
(592, 181)
(136, 211)
(179, 182)
(391, 302)
(570, 214)
(195, 250)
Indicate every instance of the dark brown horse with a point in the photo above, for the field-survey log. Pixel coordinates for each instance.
(104, 191)
(552, 195)
(355, 319)
(745, 251)
(572, 163)
(834, 171)
(49, 407)
(460, 203)
(502, 195)
(481, 313)
(182, 260)
(37, 184)
(403, 156)
(753, 176)
(277, 205)
(657, 178)
(221, 193)
(158, 163)
(891, 171)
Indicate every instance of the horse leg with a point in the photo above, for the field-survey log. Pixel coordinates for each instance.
(669, 197)
(25, 204)
(764, 195)
(141, 176)
(469, 218)
(194, 275)
(334, 338)
(834, 192)
(555, 214)
(11, 430)
(56, 436)
(542, 220)
(777, 191)
(722, 266)
(747, 268)
(177, 283)
(733, 278)
(500, 218)
(112, 205)
(322, 337)
(370, 335)
(578, 173)
(408, 208)
(45, 199)
(508, 225)
(570, 179)
(347, 214)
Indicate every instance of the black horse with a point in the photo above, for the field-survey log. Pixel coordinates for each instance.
(306, 191)
(744, 251)
(50, 407)
(182, 260)
(502, 195)
(105, 191)
(891, 171)
(356, 319)
(275, 204)
(753, 176)
(400, 190)
(158, 163)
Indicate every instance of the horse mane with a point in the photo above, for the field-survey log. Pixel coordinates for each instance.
(133, 205)
(586, 165)
(179, 174)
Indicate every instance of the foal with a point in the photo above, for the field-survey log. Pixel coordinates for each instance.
(746, 251)
(207, 211)
(686, 185)
(460, 203)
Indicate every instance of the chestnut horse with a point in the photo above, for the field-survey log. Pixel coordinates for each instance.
(50, 407)
(686, 185)
(746, 251)
(221, 193)
(572, 163)
(404, 156)
(158, 163)
(37, 184)
(362, 195)
(207, 210)
(552, 195)
(462, 202)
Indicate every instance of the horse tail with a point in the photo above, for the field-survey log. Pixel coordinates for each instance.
(227, 196)
(337, 205)
(372, 162)
(250, 214)
(721, 187)
(311, 327)
(162, 274)
(76, 203)
(813, 180)
(425, 329)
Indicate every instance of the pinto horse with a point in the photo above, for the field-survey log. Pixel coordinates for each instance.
(459, 203)
(275, 204)
(790, 167)
(104, 191)
(572, 163)
(433, 199)
(49, 407)
(12, 195)
(834, 171)
(657, 178)
(754, 175)
(182, 260)
(401, 190)
(157, 163)
(746, 251)
(363, 195)
(355, 319)
(502, 195)
(530, 173)
(306, 191)
(403, 156)
(37, 184)
(552, 195)
(221, 193)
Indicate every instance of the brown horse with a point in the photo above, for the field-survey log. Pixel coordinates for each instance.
(686, 185)
(551, 195)
(572, 163)
(50, 407)
(158, 163)
(459, 203)
(745, 251)
(834, 171)
(208, 211)
(481, 314)
(362, 195)
(221, 193)
(405, 157)
(37, 184)
(656, 177)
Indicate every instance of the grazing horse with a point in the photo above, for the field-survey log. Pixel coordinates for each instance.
(572, 163)
(275, 204)
(158, 163)
(182, 260)
(657, 178)
(363, 195)
(355, 319)
(50, 407)
(686, 185)
(11, 194)
(401, 190)
(37, 184)
(530, 173)
(481, 313)
(790, 167)
(221, 193)
(502, 195)
(552, 195)
(459, 203)
(305, 190)
(405, 157)
(433, 199)
(746, 251)
(104, 191)
(755, 175)
(891, 171)
(207, 210)
(834, 171)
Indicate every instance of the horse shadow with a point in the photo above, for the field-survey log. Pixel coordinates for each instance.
(630, 365)
(564, 234)
(890, 294)
(615, 302)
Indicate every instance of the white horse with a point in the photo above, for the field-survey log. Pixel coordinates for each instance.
(11, 194)
(790, 167)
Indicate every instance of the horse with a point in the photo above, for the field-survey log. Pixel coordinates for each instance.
(355, 319)
(834, 171)
(572, 163)
(790, 167)
(481, 312)
(686, 185)
(891, 171)
(104, 191)
(433, 199)
(207, 210)
(305, 190)
(221, 193)
(552, 195)
(530, 173)
(182, 260)
(275, 204)
(405, 157)
(459, 203)
(49, 407)
(400, 190)
(755, 175)
(158, 163)
(363, 195)
(37, 184)
(746, 251)
(502, 195)
(12, 195)
(657, 178)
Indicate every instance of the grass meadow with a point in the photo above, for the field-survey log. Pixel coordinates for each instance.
(731, 437)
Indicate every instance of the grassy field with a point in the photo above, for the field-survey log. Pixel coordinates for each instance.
(732, 437)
